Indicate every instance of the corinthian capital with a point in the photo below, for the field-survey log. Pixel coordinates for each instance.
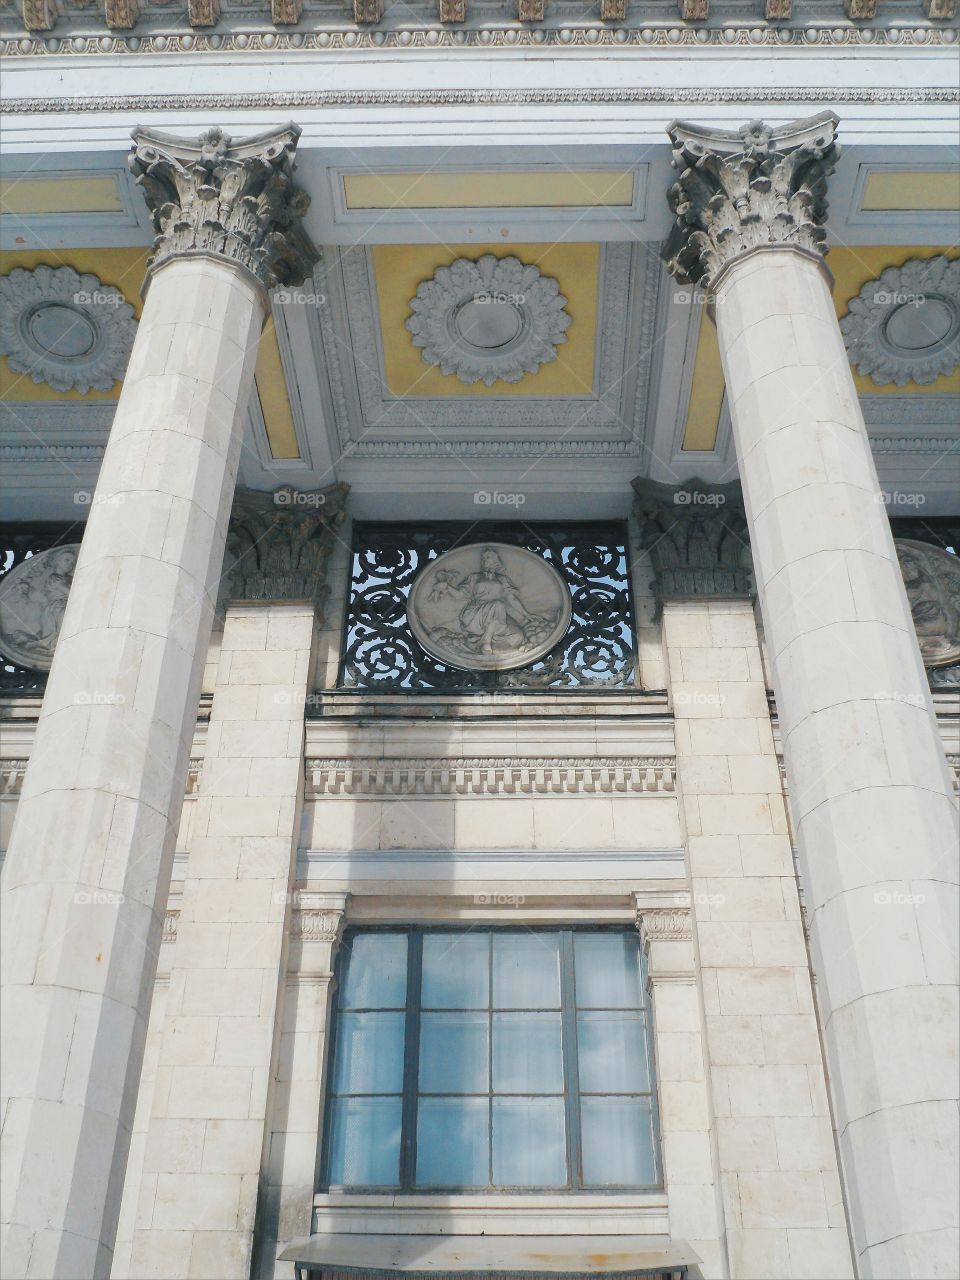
(233, 201)
(758, 188)
(278, 543)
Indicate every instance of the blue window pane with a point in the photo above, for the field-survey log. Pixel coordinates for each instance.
(611, 1053)
(454, 1053)
(365, 1142)
(527, 1056)
(369, 1053)
(376, 976)
(453, 1142)
(526, 971)
(456, 970)
(616, 1137)
(607, 967)
(529, 1142)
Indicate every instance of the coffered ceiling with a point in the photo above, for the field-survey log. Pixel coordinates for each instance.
(563, 412)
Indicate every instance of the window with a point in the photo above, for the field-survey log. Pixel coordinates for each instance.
(490, 1059)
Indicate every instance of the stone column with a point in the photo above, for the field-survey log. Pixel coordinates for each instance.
(89, 862)
(869, 789)
(207, 1143)
(777, 1161)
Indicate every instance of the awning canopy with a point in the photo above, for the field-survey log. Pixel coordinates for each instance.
(413, 1256)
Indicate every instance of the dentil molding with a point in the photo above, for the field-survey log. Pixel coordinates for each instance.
(66, 329)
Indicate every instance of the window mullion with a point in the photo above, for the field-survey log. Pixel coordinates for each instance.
(411, 1063)
(568, 1014)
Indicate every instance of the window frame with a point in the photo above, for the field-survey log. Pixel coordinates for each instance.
(406, 1185)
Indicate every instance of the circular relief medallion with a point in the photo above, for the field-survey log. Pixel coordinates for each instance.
(33, 597)
(932, 579)
(489, 607)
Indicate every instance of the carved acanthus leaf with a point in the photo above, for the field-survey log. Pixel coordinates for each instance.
(234, 201)
(278, 543)
(696, 536)
(756, 188)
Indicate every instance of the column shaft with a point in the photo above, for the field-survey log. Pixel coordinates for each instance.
(208, 1129)
(869, 787)
(88, 868)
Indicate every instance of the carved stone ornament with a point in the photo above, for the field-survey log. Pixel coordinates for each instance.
(489, 607)
(904, 326)
(491, 319)
(753, 189)
(33, 597)
(696, 537)
(932, 579)
(68, 330)
(664, 924)
(234, 201)
(278, 543)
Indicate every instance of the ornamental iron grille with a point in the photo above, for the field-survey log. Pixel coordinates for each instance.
(597, 652)
(18, 542)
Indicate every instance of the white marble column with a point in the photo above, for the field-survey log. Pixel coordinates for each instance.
(89, 863)
(218, 1054)
(869, 788)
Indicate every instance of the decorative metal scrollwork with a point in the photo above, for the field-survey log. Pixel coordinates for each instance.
(597, 652)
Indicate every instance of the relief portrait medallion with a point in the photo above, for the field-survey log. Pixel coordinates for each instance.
(489, 607)
(33, 597)
(932, 579)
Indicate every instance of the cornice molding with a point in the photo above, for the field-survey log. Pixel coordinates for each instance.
(338, 98)
(417, 39)
(490, 776)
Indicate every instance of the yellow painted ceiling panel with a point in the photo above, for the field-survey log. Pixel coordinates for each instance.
(511, 189)
(274, 400)
(60, 195)
(908, 191)
(706, 392)
(399, 269)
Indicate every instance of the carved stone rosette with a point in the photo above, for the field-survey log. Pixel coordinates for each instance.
(233, 201)
(757, 188)
(278, 543)
(696, 536)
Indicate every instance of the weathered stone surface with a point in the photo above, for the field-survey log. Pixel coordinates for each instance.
(233, 201)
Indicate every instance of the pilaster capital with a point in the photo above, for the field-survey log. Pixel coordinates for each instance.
(666, 936)
(278, 543)
(696, 537)
(233, 201)
(756, 188)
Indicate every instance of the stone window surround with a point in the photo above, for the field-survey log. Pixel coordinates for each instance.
(665, 938)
